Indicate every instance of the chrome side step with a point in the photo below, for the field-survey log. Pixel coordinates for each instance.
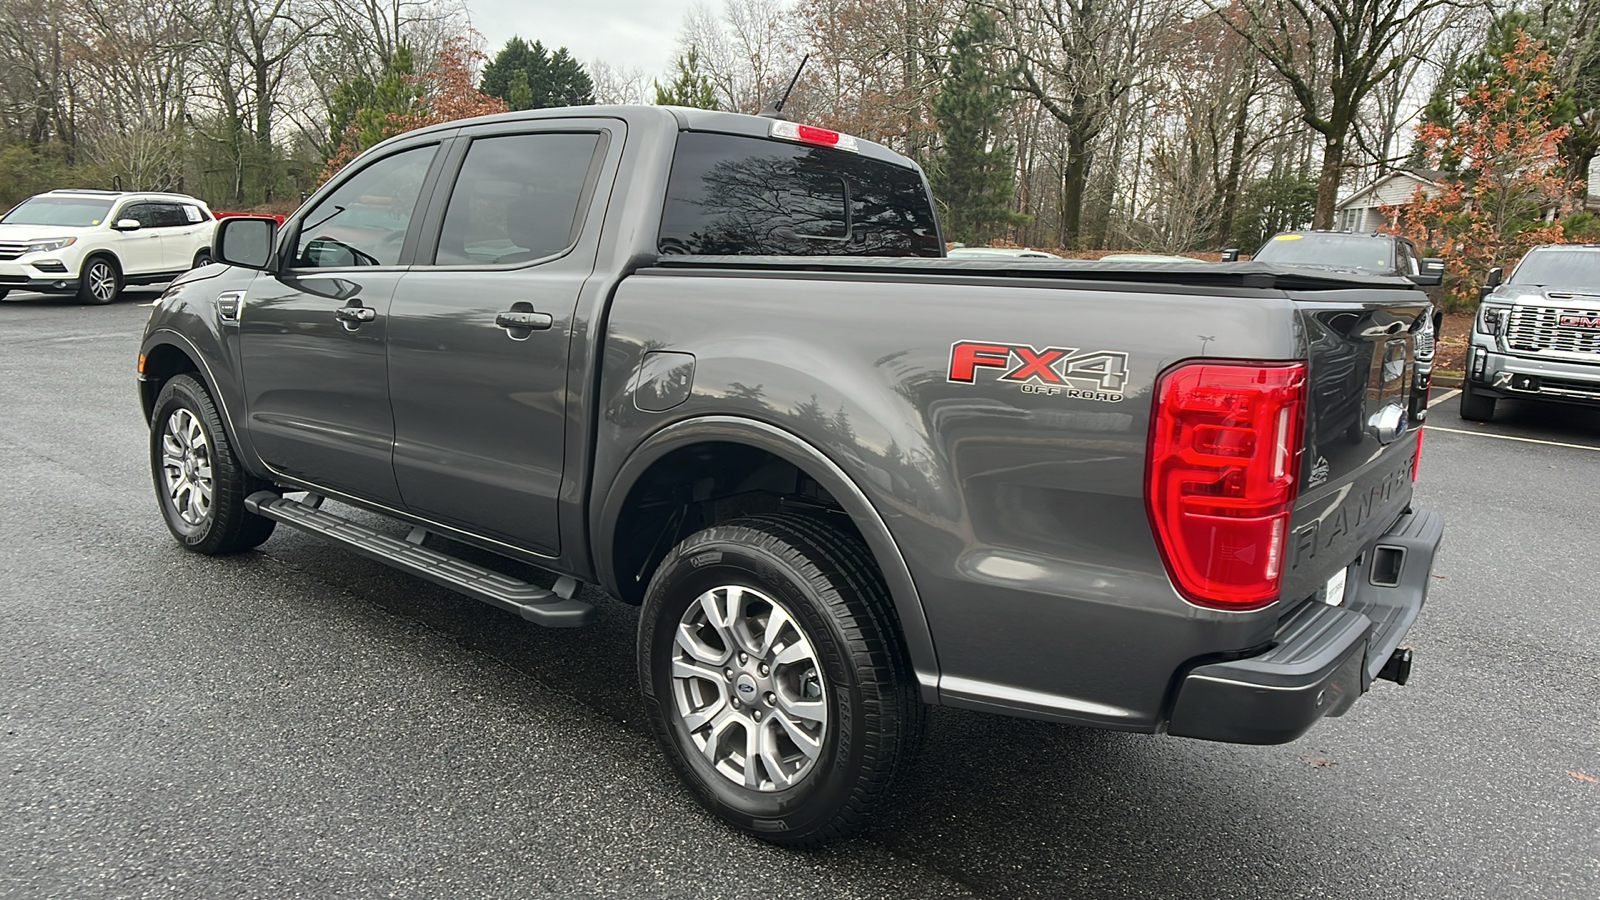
(551, 608)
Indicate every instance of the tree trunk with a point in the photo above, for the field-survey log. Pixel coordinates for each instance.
(1328, 183)
(1073, 178)
(1230, 184)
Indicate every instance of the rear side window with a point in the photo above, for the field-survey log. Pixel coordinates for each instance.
(731, 195)
(166, 215)
(517, 199)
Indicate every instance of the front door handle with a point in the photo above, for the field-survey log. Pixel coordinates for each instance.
(355, 314)
(517, 318)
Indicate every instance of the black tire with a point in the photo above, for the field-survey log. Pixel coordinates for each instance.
(203, 258)
(828, 584)
(4, 292)
(100, 282)
(1475, 407)
(223, 525)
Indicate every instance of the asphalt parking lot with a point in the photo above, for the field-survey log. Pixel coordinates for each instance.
(301, 722)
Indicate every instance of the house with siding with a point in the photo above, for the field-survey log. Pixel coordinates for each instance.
(1363, 210)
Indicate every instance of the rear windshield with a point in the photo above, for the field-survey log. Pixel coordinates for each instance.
(731, 195)
(68, 212)
(1333, 251)
(1559, 268)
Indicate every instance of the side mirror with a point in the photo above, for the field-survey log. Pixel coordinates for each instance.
(246, 242)
(1230, 255)
(1431, 275)
(1491, 282)
(126, 225)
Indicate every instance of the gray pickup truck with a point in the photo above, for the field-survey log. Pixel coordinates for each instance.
(718, 366)
(1536, 336)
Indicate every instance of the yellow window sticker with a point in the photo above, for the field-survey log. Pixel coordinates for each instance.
(1288, 237)
(95, 222)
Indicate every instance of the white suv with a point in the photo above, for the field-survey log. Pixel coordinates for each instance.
(92, 243)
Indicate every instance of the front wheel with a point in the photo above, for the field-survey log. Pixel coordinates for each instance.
(199, 483)
(775, 677)
(1475, 407)
(100, 282)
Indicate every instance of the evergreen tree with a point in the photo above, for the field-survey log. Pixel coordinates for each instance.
(361, 111)
(526, 76)
(690, 86)
(972, 174)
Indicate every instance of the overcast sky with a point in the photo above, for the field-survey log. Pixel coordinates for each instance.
(628, 34)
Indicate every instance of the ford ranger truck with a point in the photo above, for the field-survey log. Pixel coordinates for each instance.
(718, 367)
(1537, 335)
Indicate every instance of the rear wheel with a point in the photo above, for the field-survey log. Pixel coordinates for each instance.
(775, 677)
(199, 483)
(1475, 406)
(100, 282)
(203, 258)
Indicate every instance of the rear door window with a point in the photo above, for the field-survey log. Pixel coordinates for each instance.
(734, 195)
(517, 199)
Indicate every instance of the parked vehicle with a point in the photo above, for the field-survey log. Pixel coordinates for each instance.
(1146, 257)
(1536, 336)
(93, 243)
(999, 253)
(1375, 254)
(842, 476)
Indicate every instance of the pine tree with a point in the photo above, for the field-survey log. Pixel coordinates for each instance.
(972, 175)
(526, 76)
(403, 101)
(690, 86)
(1506, 182)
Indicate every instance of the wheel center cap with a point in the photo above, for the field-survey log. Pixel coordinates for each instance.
(746, 688)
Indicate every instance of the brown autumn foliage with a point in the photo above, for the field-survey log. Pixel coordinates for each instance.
(1507, 187)
(446, 92)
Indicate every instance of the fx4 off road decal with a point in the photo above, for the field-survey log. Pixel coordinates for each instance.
(1067, 371)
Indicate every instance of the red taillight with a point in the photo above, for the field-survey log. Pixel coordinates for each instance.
(810, 134)
(1417, 457)
(1225, 443)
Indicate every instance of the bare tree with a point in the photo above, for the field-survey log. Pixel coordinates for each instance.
(1332, 54)
(1077, 58)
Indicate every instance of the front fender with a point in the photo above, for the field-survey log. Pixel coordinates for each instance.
(185, 320)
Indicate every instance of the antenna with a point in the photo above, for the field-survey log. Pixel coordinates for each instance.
(775, 110)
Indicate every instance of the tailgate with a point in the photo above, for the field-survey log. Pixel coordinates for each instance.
(1365, 406)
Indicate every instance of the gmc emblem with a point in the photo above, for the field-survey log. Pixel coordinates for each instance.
(1573, 320)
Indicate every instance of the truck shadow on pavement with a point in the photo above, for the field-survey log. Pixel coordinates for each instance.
(1005, 805)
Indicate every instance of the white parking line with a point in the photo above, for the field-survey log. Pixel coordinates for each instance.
(1507, 437)
(1443, 397)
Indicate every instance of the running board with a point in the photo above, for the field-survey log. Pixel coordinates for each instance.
(551, 608)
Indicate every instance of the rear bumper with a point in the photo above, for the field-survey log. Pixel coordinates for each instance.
(1322, 657)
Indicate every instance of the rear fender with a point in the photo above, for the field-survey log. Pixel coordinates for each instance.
(811, 461)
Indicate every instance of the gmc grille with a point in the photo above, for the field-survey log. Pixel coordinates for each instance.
(1538, 329)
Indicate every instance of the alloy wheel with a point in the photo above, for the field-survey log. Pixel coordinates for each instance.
(748, 688)
(102, 281)
(186, 467)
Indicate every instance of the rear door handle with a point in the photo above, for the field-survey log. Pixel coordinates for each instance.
(516, 318)
(355, 314)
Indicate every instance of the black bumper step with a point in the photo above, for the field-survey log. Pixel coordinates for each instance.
(536, 604)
